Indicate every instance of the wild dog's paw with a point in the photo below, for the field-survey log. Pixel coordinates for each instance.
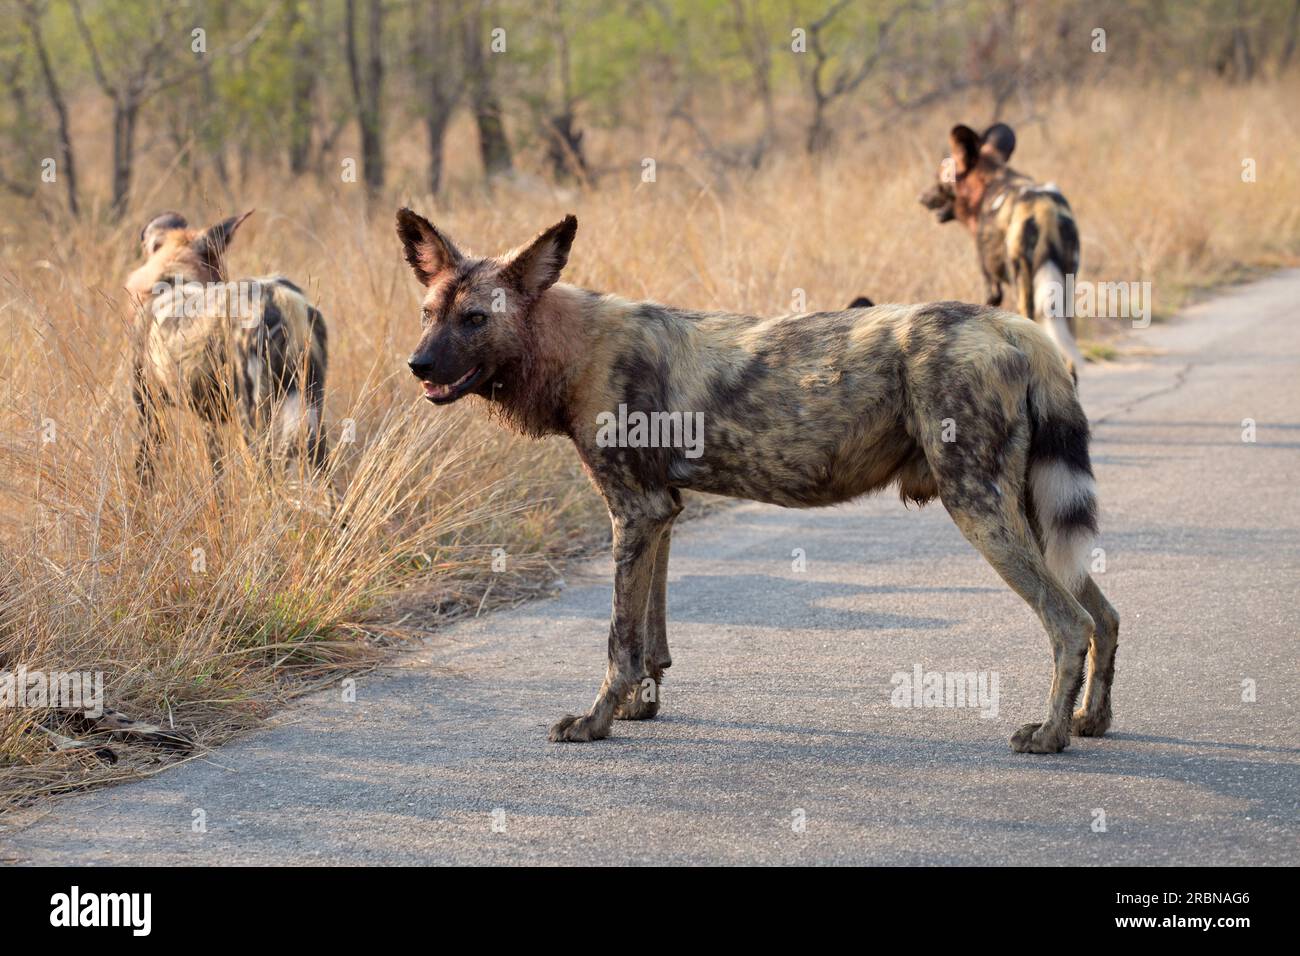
(642, 703)
(1039, 739)
(576, 729)
(1085, 724)
(634, 708)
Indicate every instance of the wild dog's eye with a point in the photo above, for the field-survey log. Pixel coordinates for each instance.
(475, 317)
(425, 317)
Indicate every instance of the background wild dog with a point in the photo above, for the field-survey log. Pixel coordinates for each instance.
(799, 411)
(1025, 233)
(256, 346)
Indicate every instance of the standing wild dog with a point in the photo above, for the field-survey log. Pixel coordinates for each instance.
(798, 411)
(1025, 233)
(255, 347)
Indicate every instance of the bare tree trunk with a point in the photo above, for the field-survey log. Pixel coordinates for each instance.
(439, 73)
(367, 89)
(493, 144)
(1243, 58)
(1006, 77)
(751, 31)
(563, 140)
(55, 93)
(847, 79)
(435, 127)
(302, 88)
(214, 142)
(11, 70)
(126, 112)
(1288, 47)
(143, 73)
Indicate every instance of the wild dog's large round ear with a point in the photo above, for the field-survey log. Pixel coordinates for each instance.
(427, 250)
(965, 144)
(214, 241)
(536, 267)
(1000, 140)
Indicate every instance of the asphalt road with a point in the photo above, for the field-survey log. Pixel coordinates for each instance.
(778, 742)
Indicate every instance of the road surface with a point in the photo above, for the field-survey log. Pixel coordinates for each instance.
(778, 742)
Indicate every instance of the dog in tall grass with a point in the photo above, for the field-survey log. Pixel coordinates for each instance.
(1025, 233)
(254, 348)
(965, 403)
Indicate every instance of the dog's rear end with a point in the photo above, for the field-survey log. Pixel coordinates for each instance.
(280, 373)
(1043, 248)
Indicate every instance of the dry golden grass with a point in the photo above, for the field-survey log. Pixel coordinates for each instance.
(294, 589)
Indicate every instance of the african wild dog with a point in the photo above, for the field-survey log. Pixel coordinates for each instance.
(256, 345)
(800, 411)
(1025, 233)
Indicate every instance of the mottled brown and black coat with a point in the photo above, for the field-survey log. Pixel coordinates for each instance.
(254, 349)
(965, 403)
(1025, 232)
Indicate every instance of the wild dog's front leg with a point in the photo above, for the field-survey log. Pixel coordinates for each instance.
(643, 702)
(637, 537)
(992, 291)
(992, 285)
(146, 403)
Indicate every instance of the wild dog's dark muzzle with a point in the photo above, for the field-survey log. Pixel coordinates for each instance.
(940, 201)
(420, 368)
(440, 386)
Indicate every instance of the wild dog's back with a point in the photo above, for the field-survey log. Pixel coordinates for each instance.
(811, 410)
(280, 365)
(798, 410)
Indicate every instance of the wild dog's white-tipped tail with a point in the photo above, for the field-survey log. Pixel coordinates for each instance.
(1061, 485)
(1065, 503)
(1060, 470)
(1049, 309)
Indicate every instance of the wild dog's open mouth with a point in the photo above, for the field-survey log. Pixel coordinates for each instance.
(442, 394)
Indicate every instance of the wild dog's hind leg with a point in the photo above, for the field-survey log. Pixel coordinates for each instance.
(639, 523)
(1015, 556)
(643, 702)
(1093, 718)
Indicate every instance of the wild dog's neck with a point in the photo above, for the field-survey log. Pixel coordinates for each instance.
(144, 283)
(981, 189)
(560, 340)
